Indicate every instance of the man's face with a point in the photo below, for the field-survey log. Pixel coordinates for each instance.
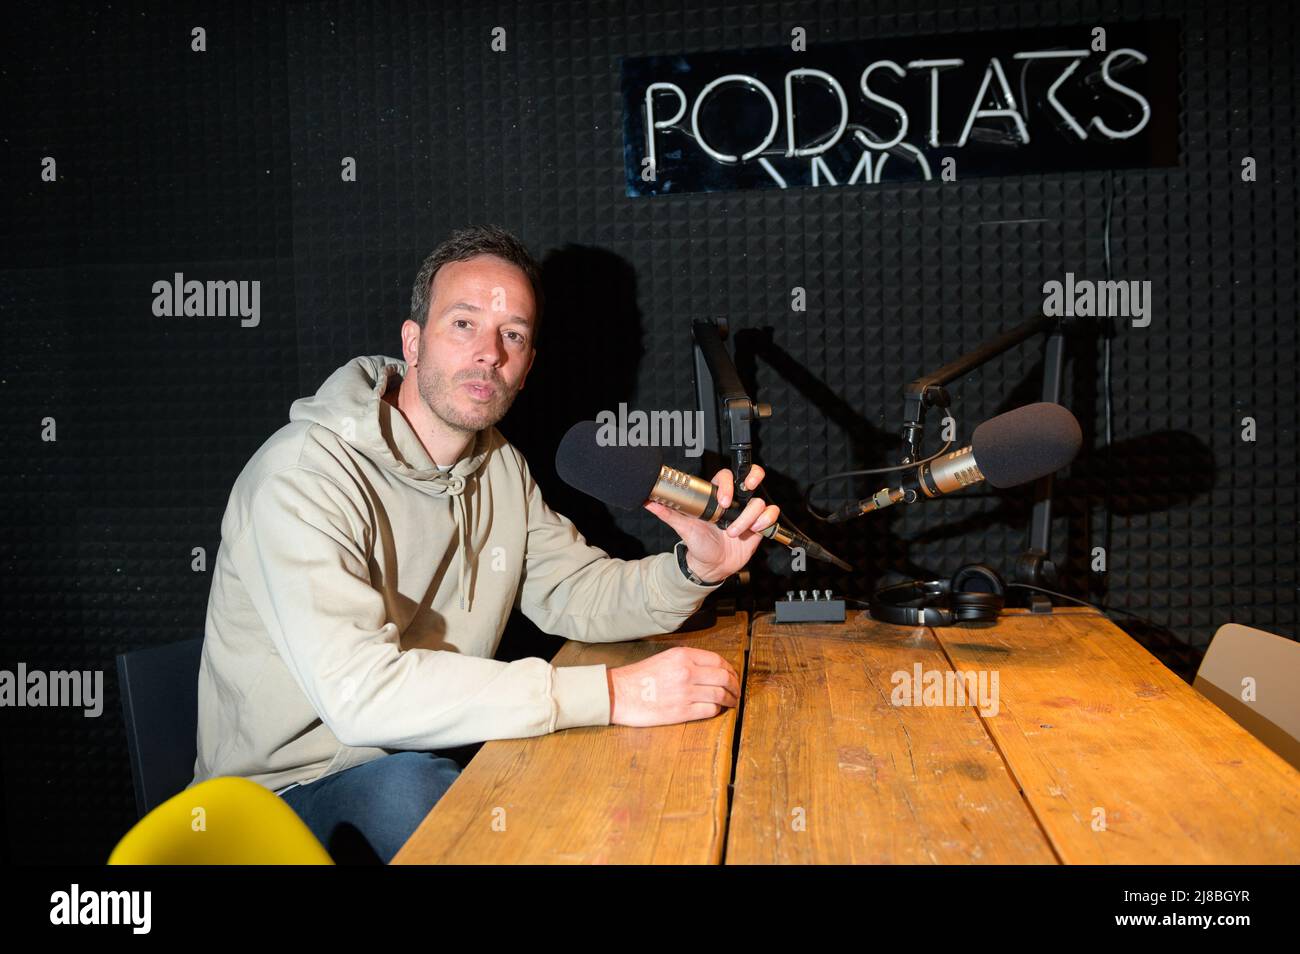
(477, 344)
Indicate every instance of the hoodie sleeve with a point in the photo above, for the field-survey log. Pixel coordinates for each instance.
(303, 558)
(573, 589)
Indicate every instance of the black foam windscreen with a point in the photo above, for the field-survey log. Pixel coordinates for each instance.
(618, 475)
(1025, 444)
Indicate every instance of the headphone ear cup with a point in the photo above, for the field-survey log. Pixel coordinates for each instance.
(977, 578)
(977, 594)
(913, 603)
(974, 595)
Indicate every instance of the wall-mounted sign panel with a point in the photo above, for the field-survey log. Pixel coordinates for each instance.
(912, 108)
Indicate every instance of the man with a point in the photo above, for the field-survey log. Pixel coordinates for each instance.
(373, 548)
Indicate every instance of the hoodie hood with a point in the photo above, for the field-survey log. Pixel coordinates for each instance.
(350, 405)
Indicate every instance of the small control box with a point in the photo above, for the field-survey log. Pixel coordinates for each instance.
(798, 608)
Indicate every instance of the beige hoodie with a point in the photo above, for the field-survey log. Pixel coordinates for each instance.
(360, 593)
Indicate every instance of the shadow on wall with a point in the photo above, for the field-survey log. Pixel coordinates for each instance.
(1155, 472)
(589, 353)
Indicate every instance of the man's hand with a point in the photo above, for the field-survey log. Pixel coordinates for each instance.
(677, 685)
(714, 554)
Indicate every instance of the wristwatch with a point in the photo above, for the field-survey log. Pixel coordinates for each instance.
(687, 571)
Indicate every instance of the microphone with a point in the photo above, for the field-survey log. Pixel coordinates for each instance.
(1011, 449)
(627, 477)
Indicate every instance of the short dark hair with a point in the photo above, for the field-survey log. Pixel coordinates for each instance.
(464, 244)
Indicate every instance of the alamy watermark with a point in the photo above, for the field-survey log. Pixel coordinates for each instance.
(212, 299)
(946, 687)
(1086, 298)
(36, 688)
(75, 906)
(626, 428)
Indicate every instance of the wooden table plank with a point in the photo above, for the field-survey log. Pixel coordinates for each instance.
(597, 794)
(1099, 733)
(830, 771)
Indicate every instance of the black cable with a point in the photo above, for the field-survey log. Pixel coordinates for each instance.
(1105, 610)
(1107, 335)
(807, 496)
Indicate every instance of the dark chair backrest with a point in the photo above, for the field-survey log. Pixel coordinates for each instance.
(160, 705)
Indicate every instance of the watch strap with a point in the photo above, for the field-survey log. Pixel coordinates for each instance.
(687, 572)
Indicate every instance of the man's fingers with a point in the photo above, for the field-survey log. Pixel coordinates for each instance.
(719, 686)
(768, 517)
(717, 676)
(702, 710)
(708, 659)
(725, 484)
(746, 518)
(674, 518)
(720, 695)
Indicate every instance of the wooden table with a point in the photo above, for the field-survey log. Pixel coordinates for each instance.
(1093, 752)
(597, 794)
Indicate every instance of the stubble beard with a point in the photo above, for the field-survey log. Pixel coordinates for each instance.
(439, 392)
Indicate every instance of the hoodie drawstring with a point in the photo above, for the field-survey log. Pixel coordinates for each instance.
(456, 487)
(354, 396)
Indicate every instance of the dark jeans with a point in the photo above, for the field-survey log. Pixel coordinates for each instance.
(364, 814)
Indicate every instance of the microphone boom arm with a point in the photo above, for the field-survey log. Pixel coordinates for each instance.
(1034, 565)
(727, 406)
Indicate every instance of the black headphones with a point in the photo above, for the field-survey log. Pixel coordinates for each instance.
(974, 595)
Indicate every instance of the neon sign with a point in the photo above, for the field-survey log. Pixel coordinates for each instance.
(915, 108)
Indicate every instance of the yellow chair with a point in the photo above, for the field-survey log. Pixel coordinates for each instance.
(223, 821)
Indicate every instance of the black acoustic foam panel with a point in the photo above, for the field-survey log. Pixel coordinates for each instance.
(226, 164)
